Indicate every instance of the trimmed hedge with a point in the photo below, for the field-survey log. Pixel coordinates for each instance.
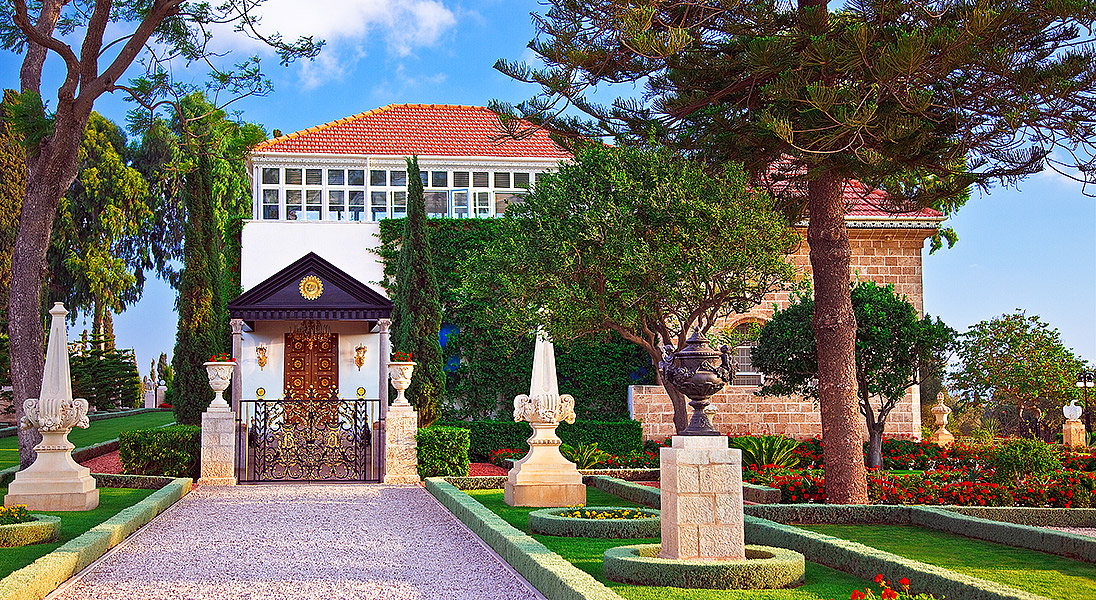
(43, 528)
(640, 494)
(140, 482)
(547, 521)
(173, 451)
(483, 482)
(442, 451)
(760, 494)
(625, 474)
(1039, 517)
(866, 562)
(831, 513)
(44, 575)
(547, 571)
(1070, 545)
(617, 437)
(764, 568)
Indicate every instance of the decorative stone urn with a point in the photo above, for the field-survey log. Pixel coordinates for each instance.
(693, 371)
(544, 477)
(55, 481)
(1073, 430)
(220, 378)
(941, 437)
(400, 374)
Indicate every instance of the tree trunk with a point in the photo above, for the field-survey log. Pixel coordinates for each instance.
(51, 169)
(875, 446)
(834, 327)
(678, 400)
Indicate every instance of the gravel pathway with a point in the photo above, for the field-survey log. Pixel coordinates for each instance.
(1089, 531)
(302, 542)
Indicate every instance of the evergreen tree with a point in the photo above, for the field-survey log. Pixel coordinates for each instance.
(416, 314)
(13, 182)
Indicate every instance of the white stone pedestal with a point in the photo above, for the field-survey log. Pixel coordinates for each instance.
(544, 477)
(942, 437)
(54, 481)
(701, 499)
(1073, 434)
(218, 448)
(401, 459)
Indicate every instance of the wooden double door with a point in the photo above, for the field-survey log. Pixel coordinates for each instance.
(312, 375)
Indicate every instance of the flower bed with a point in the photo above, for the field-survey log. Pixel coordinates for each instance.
(596, 522)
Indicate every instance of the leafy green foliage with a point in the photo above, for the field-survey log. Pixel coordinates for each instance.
(493, 366)
(585, 456)
(416, 311)
(103, 375)
(173, 451)
(618, 438)
(1021, 460)
(894, 351)
(1016, 360)
(442, 451)
(13, 182)
(760, 450)
(633, 240)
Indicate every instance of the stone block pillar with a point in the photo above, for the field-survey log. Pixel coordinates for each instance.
(1073, 434)
(702, 499)
(218, 448)
(401, 459)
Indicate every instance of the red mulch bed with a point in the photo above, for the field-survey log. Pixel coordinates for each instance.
(107, 463)
(653, 484)
(480, 469)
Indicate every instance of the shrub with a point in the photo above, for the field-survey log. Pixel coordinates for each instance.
(586, 456)
(443, 451)
(500, 456)
(641, 459)
(172, 451)
(10, 515)
(775, 450)
(1020, 459)
(619, 438)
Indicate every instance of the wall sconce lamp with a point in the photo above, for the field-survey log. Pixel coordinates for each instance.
(260, 355)
(359, 356)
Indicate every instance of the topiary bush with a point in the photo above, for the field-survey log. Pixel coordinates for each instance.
(1020, 459)
(173, 451)
(443, 451)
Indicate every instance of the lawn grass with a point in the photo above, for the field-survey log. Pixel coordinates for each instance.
(586, 554)
(73, 523)
(1044, 574)
(100, 431)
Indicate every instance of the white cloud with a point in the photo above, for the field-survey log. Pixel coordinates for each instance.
(348, 27)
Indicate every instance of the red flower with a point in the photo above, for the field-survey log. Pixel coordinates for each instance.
(857, 595)
(889, 594)
(904, 582)
(879, 578)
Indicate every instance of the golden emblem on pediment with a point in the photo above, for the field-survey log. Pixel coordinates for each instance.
(311, 287)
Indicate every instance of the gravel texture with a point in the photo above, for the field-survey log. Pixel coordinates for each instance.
(303, 542)
(1089, 531)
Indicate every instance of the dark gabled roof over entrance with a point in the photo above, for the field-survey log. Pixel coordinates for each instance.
(280, 297)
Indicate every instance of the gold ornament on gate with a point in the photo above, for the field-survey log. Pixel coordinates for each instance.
(359, 356)
(311, 287)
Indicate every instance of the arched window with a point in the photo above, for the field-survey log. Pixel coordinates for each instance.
(745, 338)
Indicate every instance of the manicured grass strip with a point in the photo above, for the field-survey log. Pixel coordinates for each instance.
(102, 529)
(552, 576)
(1070, 545)
(99, 431)
(1035, 572)
(822, 583)
(866, 561)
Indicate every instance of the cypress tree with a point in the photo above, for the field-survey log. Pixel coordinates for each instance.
(416, 315)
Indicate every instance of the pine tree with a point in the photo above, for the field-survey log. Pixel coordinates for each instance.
(416, 314)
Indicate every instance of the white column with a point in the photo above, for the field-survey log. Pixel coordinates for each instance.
(237, 326)
(382, 330)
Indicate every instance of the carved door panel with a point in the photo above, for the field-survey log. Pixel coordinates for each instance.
(312, 374)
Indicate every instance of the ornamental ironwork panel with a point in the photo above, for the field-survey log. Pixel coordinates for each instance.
(309, 440)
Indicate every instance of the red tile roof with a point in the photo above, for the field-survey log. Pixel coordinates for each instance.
(423, 129)
(862, 203)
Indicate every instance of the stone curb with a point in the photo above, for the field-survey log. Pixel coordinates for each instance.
(867, 562)
(765, 567)
(545, 570)
(547, 521)
(43, 528)
(37, 580)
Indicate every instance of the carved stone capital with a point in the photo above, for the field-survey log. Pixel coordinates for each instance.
(383, 325)
(237, 326)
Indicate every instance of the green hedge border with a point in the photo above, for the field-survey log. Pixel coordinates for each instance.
(765, 567)
(547, 571)
(44, 528)
(37, 580)
(867, 562)
(548, 521)
(1011, 532)
(633, 492)
(479, 482)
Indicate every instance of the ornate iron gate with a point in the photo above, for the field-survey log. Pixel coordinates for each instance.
(309, 440)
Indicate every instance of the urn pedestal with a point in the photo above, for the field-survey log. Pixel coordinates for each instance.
(1073, 430)
(941, 437)
(401, 454)
(219, 429)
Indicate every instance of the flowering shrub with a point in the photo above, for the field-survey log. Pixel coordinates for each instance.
(638, 459)
(10, 515)
(401, 357)
(222, 357)
(908, 454)
(969, 493)
(1077, 461)
(500, 456)
(616, 513)
(800, 488)
(886, 592)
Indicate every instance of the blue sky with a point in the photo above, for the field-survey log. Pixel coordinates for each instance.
(1032, 248)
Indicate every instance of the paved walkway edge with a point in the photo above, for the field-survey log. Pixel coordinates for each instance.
(38, 579)
(547, 571)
